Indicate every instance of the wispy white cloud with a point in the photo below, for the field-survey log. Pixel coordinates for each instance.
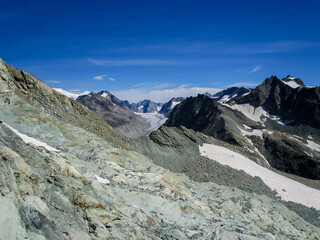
(138, 85)
(100, 77)
(255, 69)
(164, 85)
(224, 47)
(54, 81)
(243, 84)
(135, 95)
(111, 79)
(140, 62)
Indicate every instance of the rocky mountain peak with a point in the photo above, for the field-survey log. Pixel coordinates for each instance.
(288, 98)
(115, 113)
(168, 106)
(230, 94)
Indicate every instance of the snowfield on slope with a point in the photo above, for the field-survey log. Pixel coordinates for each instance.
(155, 119)
(31, 140)
(69, 94)
(292, 83)
(287, 189)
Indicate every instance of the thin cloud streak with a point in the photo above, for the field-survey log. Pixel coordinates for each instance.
(223, 48)
(140, 62)
(99, 78)
(54, 81)
(136, 95)
(255, 69)
(243, 84)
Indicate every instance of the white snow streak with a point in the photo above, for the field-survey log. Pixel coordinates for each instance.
(314, 146)
(31, 140)
(254, 132)
(102, 180)
(287, 189)
(174, 104)
(292, 84)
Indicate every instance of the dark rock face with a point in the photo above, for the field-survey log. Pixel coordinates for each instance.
(168, 106)
(38, 223)
(289, 156)
(301, 104)
(115, 113)
(205, 115)
(232, 93)
(145, 106)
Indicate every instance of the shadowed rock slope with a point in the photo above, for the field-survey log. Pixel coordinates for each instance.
(288, 98)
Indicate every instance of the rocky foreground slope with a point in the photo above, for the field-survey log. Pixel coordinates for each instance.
(68, 175)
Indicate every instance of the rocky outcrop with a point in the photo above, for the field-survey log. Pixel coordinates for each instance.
(230, 94)
(115, 113)
(290, 156)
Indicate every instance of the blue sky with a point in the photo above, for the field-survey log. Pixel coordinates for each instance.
(159, 49)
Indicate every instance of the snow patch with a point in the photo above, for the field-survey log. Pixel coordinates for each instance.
(292, 83)
(314, 146)
(69, 94)
(224, 99)
(31, 140)
(245, 94)
(246, 127)
(174, 104)
(254, 132)
(102, 180)
(255, 114)
(105, 95)
(287, 189)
